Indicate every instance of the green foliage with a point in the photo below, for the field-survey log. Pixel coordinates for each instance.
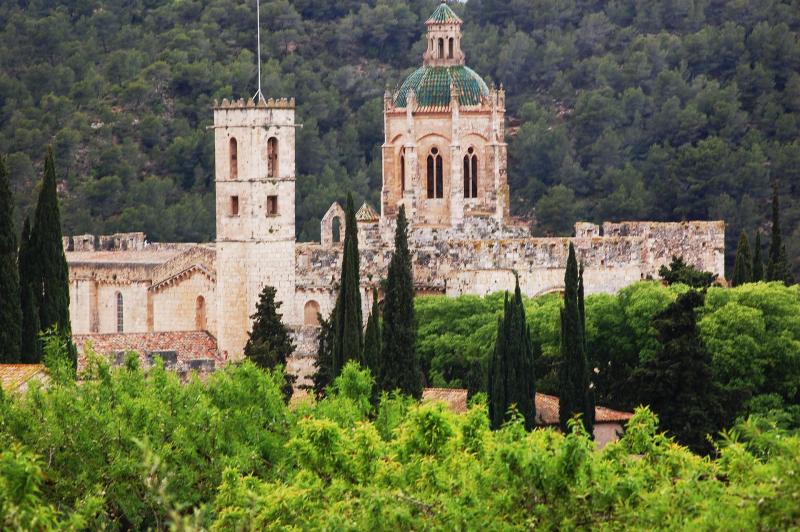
(680, 272)
(10, 311)
(128, 449)
(777, 265)
(399, 365)
(758, 263)
(574, 391)
(512, 378)
(269, 344)
(372, 337)
(50, 275)
(743, 265)
(323, 362)
(677, 382)
(31, 348)
(348, 339)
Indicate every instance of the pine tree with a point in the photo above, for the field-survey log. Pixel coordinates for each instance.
(372, 337)
(758, 263)
(743, 265)
(51, 275)
(349, 338)
(777, 263)
(31, 348)
(323, 375)
(512, 379)
(10, 311)
(575, 395)
(677, 383)
(269, 343)
(399, 366)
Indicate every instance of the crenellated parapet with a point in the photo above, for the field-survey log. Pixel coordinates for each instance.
(264, 103)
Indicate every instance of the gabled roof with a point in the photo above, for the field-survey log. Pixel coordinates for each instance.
(456, 398)
(16, 376)
(443, 13)
(367, 214)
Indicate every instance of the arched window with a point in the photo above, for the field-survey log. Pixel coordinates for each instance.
(234, 159)
(450, 49)
(272, 157)
(441, 48)
(402, 170)
(311, 313)
(200, 313)
(336, 230)
(435, 174)
(120, 314)
(471, 174)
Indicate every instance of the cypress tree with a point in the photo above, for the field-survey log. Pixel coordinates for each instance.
(677, 383)
(51, 281)
(372, 337)
(349, 338)
(743, 264)
(10, 311)
(758, 263)
(589, 401)
(777, 264)
(31, 349)
(399, 367)
(575, 394)
(269, 343)
(512, 379)
(323, 376)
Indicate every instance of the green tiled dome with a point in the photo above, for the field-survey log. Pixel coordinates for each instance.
(443, 13)
(431, 86)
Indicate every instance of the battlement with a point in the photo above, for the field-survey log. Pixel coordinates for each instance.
(241, 103)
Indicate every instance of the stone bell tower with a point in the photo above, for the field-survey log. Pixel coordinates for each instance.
(254, 148)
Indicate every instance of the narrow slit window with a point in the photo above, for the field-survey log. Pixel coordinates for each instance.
(272, 205)
(272, 157)
(402, 170)
(441, 48)
(450, 49)
(234, 159)
(471, 174)
(234, 205)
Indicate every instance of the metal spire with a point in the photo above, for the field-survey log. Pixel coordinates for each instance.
(258, 96)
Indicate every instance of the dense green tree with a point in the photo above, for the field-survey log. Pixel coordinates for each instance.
(574, 391)
(31, 349)
(10, 312)
(758, 263)
(743, 265)
(372, 337)
(348, 340)
(512, 379)
(680, 272)
(268, 342)
(400, 366)
(323, 364)
(777, 262)
(677, 382)
(51, 276)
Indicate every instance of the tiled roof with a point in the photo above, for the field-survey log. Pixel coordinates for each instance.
(431, 86)
(546, 406)
(367, 214)
(456, 398)
(181, 350)
(15, 376)
(443, 13)
(547, 412)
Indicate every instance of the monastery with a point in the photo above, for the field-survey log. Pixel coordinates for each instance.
(444, 159)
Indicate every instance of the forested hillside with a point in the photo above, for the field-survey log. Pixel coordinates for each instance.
(627, 109)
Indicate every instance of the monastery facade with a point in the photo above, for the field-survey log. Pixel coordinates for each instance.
(444, 159)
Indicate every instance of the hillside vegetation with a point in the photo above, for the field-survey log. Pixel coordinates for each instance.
(128, 450)
(683, 109)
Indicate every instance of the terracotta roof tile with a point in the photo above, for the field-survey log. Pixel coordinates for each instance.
(443, 13)
(181, 350)
(546, 406)
(15, 376)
